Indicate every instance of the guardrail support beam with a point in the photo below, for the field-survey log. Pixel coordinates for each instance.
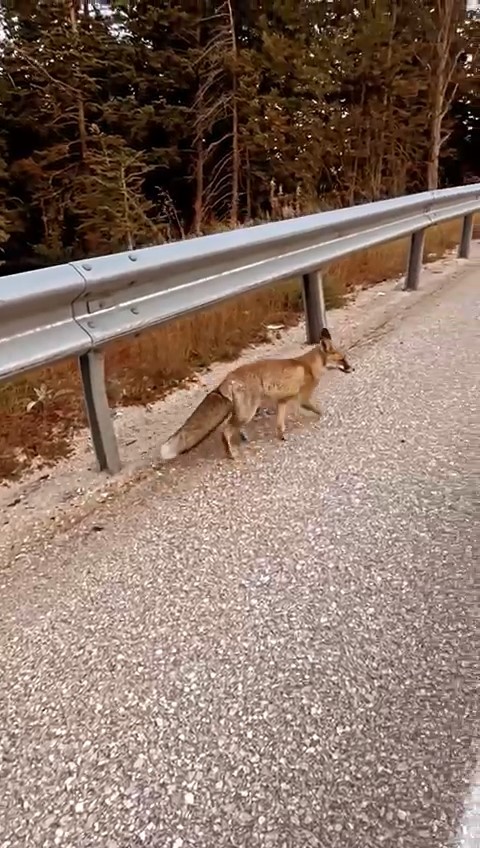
(314, 304)
(92, 369)
(415, 259)
(466, 239)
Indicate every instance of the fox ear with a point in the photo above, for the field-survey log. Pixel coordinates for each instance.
(325, 334)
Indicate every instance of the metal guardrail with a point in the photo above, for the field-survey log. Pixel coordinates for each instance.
(75, 309)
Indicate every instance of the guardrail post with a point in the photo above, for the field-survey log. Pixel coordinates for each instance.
(415, 259)
(466, 239)
(92, 369)
(314, 304)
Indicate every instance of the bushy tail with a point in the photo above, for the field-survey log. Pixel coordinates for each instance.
(213, 409)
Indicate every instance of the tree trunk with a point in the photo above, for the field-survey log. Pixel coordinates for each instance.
(198, 202)
(354, 174)
(82, 129)
(126, 209)
(445, 63)
(248, 187)
(435, 142)
(378, 171)
(199, 152)
(235, 139)
(438, 108)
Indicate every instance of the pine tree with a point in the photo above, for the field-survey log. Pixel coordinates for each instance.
(62, 65)
(284, 129)
(162, 38)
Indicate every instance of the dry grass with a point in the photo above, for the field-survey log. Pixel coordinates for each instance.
(144, 369)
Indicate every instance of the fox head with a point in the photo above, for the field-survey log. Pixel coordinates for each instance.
(331, 354)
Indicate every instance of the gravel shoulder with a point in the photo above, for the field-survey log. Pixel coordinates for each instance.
(279, 653)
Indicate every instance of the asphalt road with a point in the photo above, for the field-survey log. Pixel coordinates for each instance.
(279, 653)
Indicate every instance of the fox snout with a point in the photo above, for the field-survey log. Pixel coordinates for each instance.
(332, 356)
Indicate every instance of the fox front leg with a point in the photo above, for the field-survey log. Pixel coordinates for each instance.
(281, 415)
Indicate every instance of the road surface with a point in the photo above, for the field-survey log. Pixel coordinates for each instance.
(276, 653)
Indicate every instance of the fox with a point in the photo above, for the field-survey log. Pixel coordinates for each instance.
(236, 399)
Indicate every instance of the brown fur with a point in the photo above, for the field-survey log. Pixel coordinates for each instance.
(242, 391)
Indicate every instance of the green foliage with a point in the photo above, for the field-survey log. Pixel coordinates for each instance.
(165, 118)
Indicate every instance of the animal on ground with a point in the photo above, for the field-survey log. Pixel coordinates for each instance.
(235, 401)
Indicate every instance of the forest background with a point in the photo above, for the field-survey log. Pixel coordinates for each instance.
(130, 123)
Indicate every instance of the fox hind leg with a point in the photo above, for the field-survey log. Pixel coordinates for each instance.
(243, 411)
(310, 407)
(227, 433)
(307, 403)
